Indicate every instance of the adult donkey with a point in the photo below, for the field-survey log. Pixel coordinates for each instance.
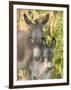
(31, 46)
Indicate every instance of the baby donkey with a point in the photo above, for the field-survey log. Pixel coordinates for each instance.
(43, 69)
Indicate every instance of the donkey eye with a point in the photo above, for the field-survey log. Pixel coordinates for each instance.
(44, 41)
(43, 38)
(30, 37)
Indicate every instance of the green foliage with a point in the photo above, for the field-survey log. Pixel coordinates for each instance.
(58, 51)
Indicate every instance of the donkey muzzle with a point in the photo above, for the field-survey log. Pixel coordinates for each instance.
(36, 54)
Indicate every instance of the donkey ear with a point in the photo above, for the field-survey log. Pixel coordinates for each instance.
(53, 43)
(27, 20)
(45, 20)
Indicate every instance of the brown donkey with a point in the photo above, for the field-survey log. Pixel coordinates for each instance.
(32, 50)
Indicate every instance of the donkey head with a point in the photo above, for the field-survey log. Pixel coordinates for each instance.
(43, 70)
(48, 53)
(37, 36)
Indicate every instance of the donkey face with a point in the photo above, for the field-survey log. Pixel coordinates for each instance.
(37, 36)
(43, 70)
(48, 51)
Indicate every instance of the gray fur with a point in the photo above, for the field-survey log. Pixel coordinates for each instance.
(32, 53)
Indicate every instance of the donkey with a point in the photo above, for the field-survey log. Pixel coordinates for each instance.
(30, 45)
(43, 70)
